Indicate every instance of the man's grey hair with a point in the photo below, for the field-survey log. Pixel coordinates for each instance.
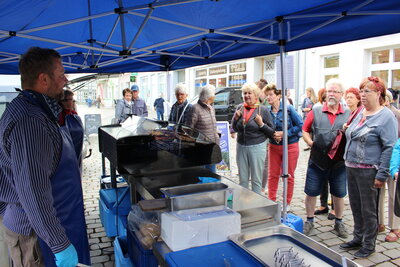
(180, 88)
(207, 92)
(334, 81)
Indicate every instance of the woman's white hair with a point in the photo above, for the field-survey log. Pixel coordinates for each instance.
(207, 92)
(180, 88)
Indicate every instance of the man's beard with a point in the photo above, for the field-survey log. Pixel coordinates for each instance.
(332, 102)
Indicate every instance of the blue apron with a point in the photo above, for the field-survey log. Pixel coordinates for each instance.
(75, 127)
(68, 198)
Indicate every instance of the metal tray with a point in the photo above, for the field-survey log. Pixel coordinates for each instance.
(195, 196)
(271, 247)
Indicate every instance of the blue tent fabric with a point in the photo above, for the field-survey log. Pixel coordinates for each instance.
(142, 35)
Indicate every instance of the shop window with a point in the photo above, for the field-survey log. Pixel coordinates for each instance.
(221, 82)
(396, 79)
(237, 80)
(379, 57)
(328, 77)
(331, 61)
(383, 74)
(213, 82)
(396, 55)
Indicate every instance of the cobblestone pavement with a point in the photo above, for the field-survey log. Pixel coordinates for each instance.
(101, 247)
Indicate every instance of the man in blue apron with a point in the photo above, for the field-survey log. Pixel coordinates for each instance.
(39, 174)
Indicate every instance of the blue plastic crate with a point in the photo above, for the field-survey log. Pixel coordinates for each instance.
(110, 196)
(122, 221)
(140, 257)
(108, 219)
(112, 226)
(294, 222)
(219, 254)
(121, 252)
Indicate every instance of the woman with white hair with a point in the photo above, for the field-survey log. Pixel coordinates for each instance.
(202, 117)
(180, 110)
(253, 124)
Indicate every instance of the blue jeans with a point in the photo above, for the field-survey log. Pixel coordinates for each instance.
(160, 115)
(316, 179)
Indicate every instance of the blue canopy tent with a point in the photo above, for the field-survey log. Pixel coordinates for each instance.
(105, 36)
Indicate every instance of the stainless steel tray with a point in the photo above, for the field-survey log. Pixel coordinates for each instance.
(195, 196)
(270, 244)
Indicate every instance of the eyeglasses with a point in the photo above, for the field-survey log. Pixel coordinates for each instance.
(366, 91)
(333, 92)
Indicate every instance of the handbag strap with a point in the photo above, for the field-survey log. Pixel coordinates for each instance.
(352, 116)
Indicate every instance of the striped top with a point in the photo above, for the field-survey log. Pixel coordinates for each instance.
(30, 150)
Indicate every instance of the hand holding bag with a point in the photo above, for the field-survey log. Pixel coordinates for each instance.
(336, 152)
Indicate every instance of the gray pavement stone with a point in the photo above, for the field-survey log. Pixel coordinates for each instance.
(364, 262)
(396, 261)
(332, 242)
(386, 264)
(392, 253)
(94, 253)
(379, 257)
(100, 259)
(101, 234)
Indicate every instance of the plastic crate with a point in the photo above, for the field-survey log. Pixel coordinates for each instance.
(121, 252)
(294, 222)
(110, 196)
(122, 221)
(140, 257)
(111, 224)
(219, 254)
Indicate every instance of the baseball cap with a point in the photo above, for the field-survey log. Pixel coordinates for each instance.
(135, 87)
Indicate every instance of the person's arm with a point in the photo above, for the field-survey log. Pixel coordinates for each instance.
(267, 127)
(388, 137)
(395, 159)
(307, 128)
(33, 156)
(119, 108)
(191, 118)
(186, 114)
(297, 122)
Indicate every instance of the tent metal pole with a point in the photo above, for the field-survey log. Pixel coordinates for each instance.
(367, 13)
(108, 39)
(177, 55)
(91, 31)
(254, 32)
(67, 22)
(170, 41)
(122, 26)
(262, 22)
(245, 36)
(64, 43)
(317, 27)
(160, 4)
(235, 41)
(139, 31)
(187, 51)
(284, 126)
(170, 22)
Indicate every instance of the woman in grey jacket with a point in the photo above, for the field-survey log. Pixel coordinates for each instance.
(370, 140)
(253, 124)
(123, 108)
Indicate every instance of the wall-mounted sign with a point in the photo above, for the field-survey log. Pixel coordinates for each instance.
(217, 70)
(237, 80)
(201, 73)
(239, 67)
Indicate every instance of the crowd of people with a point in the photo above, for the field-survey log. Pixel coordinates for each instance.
(364, 114)
(41, 202)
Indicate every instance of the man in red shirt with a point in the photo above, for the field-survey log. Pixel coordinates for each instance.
(319, 132)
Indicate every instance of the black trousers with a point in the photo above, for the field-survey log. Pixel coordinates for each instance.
(364, 205)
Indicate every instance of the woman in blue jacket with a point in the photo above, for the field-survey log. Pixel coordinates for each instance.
(275, 146)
